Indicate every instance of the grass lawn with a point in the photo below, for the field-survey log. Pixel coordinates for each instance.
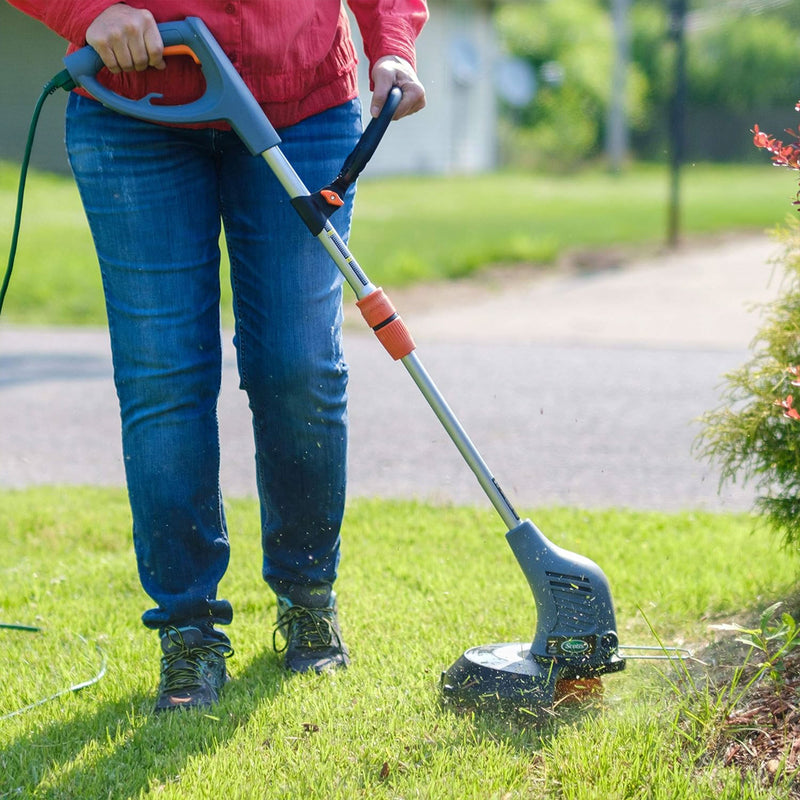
(414, 229)
(418, 585)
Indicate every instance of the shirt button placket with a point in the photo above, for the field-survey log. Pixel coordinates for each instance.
(232, 12)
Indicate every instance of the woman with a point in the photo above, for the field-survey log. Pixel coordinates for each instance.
(156, 197)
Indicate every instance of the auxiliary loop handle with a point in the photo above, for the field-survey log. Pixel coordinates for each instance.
(226, 97)
(328, 199)
(370, 139)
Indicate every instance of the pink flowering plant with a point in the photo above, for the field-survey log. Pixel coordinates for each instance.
(787, 404)
(783, 155)
(754, 435)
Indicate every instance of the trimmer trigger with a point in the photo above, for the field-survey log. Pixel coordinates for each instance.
(181, 50)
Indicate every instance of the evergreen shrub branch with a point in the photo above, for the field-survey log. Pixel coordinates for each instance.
(754, 435)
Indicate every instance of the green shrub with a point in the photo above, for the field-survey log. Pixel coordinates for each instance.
(741, 65)
(738, 59)
(754, 436)
(564, 123)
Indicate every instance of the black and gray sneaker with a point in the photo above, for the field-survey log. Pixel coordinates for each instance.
(192, 669)
(312, 638)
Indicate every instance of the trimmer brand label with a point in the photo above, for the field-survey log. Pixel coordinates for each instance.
(570, 645)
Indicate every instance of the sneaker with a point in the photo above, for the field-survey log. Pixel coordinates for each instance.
(312, 638)
(192, 669)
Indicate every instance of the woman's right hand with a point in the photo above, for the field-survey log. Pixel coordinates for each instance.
(126, 39)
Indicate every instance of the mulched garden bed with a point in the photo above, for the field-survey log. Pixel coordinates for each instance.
(761, 735)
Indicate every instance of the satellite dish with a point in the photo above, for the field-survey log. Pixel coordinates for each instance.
(465, 61)
(515, 81)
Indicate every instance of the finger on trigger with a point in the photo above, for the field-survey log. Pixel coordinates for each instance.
(155, 48)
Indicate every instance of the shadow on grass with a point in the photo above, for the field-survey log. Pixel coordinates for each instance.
(123, 749)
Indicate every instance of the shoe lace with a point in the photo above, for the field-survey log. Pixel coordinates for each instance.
(308, 627)
(183, 664)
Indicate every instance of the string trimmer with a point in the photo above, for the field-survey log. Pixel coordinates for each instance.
(575, 636)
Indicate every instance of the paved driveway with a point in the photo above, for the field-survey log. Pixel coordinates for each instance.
(578, 388)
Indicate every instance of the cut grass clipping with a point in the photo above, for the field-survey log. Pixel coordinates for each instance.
(418, 585)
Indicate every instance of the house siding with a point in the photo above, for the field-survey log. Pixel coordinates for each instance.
(30, 55)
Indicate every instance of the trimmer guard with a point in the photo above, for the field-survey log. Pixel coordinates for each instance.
(501, 676)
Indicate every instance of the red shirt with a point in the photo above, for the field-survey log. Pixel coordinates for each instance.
(296, 56)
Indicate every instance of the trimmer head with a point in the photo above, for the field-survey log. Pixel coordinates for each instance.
(501, 675)
(575, 634)
(507, 678)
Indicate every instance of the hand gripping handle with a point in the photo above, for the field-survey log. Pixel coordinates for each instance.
(226, 97)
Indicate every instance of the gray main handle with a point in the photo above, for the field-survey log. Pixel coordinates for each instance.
(226, 97)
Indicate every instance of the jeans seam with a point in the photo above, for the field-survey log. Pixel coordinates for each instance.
(240, 341)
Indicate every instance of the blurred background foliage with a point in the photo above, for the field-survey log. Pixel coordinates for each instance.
(742, 67)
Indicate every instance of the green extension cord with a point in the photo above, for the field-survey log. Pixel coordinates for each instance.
(70, 689)
(60, 81)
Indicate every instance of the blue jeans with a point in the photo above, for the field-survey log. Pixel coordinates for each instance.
(155, 198)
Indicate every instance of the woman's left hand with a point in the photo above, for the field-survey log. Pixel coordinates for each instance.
(392, 71)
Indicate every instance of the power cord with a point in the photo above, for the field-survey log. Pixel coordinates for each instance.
(60, 81)
(70, 689)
